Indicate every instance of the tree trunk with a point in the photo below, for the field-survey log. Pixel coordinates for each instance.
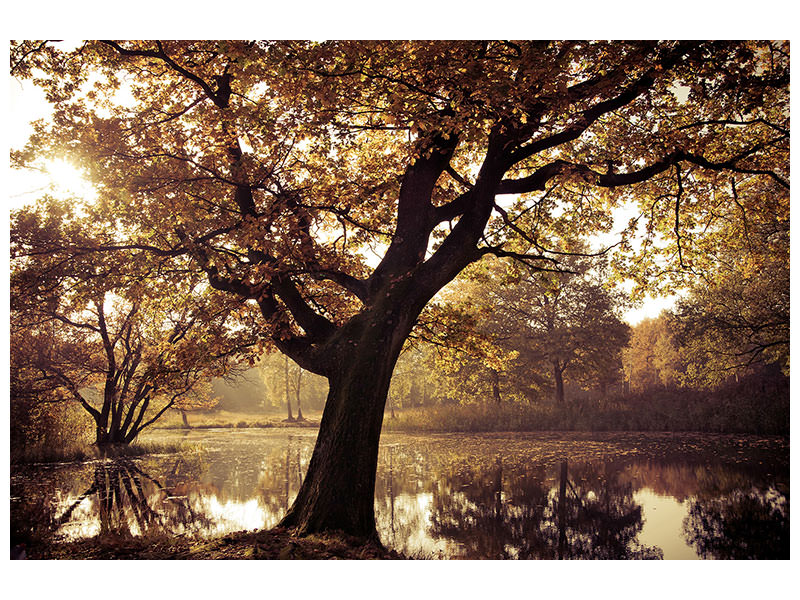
(185, 420)
(299, 410)
(289, 418)
(338, 492)
(496, 386)
(119, 431)
(558, 376)
(339, 488)
(108, 436)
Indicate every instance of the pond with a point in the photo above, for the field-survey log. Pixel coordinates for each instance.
(487, 496)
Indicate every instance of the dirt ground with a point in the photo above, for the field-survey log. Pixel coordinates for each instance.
(275, 544)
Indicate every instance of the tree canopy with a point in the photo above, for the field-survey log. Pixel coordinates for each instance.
(526, 330)
(274, 164)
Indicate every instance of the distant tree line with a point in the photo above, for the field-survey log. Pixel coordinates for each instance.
(501, 334)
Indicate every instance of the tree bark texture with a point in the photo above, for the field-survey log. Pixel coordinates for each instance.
(339, 488)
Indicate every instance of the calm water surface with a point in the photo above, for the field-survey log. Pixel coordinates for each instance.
(490, 496)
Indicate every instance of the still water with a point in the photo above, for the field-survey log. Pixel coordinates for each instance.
(488, 496)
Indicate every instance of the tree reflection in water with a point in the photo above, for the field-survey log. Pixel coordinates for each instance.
(586, 515)
(743, 524)
(448, 497)
(604, 520)
(281, 475)
(127, 502)
(403, 496)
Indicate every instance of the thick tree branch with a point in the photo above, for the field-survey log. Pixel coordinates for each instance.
(74, 391)
(416, 216)
(527, 259)
(735, 123)
(537, 180)
(219, 96)
(315, 325)
(355, 286)
(594, 112)
(730, 165)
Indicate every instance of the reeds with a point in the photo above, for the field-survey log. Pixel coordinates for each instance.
(662, 410)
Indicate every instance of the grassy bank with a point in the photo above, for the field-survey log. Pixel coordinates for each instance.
(80, 453)
(665, 410)
(71, 452)
(222, 419)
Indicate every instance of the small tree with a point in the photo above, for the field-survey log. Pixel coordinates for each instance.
(565, 319)
(652, 359)
(122, 365)
(470, 349)
(125, 349)
(201, 398)
(283, 379)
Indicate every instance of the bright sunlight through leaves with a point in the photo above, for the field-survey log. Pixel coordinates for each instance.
(66, 180)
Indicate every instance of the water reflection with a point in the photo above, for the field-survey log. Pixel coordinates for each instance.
(125, 501)
(129, 502)
(744, 524)
(580, 513)
(448, 497)
(282, 472)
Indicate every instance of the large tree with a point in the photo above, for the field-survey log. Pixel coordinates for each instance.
(276, 167)
(523, 331)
